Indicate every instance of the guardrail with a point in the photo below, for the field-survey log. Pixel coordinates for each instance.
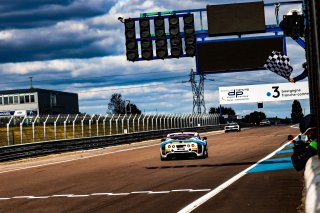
(312, 185)
(14, 152)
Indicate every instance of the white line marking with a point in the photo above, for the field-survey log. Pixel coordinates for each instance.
(160, 192)
(40, 197)
(79, 196)
(116, 194)
(192, 206)
(66, 195)
(5, 198)
(22, 197)
(181, 190)
(99, 194)
(200, 190)
(141, 192)
(105, 194)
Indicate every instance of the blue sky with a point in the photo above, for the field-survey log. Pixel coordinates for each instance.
(78, 46)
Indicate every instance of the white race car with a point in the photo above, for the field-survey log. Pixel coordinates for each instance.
(232, 127)
(183, 144)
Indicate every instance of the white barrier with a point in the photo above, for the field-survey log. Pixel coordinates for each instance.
(312, 184)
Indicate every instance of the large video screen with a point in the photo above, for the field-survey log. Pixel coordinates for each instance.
(240, 18)
(236, 55)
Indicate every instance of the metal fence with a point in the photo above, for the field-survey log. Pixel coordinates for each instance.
(19, 130)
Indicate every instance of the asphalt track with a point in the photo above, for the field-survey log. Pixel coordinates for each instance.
(131, 178)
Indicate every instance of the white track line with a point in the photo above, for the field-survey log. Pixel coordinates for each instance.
(223, 186)
(105, 194)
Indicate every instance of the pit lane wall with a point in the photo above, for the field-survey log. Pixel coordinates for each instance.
(312, 184)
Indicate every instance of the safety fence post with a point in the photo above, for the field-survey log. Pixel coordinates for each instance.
(139, 122)
(143, 126)
(55, 127)
(73, 126)
(122, 123)
(8, 130)
(133, 124)
(82, 130)
(157, 121)
(21, 127)
(97, 123)
(90, 129)
(111, 124)
(148, 122)
(44, 128)
(128, 123)
(117, 123)
(104, 124)
(160, 126)
(33, 130)
(65, 127)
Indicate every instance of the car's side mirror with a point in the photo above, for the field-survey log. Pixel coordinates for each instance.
(290, 137)
(204, 138)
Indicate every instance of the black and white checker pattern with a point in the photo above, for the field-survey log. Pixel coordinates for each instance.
(279, 64)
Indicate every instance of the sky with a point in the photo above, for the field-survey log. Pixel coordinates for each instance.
(79, 46)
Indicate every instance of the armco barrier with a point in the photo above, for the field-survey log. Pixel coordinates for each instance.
(312, 184)
(14, 152)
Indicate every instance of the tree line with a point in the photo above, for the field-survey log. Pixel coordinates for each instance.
(118, 105)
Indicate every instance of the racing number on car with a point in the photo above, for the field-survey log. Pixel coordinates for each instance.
(276, 92)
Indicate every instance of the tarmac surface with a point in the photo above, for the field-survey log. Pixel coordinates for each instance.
(131, 178)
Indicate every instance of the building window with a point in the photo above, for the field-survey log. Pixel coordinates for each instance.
(10, 99)
(15, 99)
(53, 100)
(1, 100)
(5, 100)
(21, 99)
(32, 98)
(27, 98)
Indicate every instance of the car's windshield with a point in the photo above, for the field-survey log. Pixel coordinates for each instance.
(181, 137)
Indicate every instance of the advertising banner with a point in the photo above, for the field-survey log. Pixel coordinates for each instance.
(264, 93)
(19, 113)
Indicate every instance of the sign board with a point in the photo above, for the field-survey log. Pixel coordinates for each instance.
(18, 113)
(226, 19)
(263, 93)
(236, 55)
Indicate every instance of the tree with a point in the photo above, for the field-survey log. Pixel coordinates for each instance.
(225, 110)
(118, 106)
(133, 109)
(296, 112)
(255, 117)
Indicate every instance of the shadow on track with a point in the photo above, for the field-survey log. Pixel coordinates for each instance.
(217, 165)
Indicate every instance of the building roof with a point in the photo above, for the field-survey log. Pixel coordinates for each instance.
(31, 90)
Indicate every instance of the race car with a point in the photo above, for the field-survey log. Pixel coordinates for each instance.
(183, 144)
(232, 127)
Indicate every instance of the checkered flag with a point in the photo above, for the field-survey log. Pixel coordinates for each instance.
(279, 64)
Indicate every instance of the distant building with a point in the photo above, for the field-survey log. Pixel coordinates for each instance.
(32, 101)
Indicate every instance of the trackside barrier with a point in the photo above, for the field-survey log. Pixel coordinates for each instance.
(312, 184)
(19, 151)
